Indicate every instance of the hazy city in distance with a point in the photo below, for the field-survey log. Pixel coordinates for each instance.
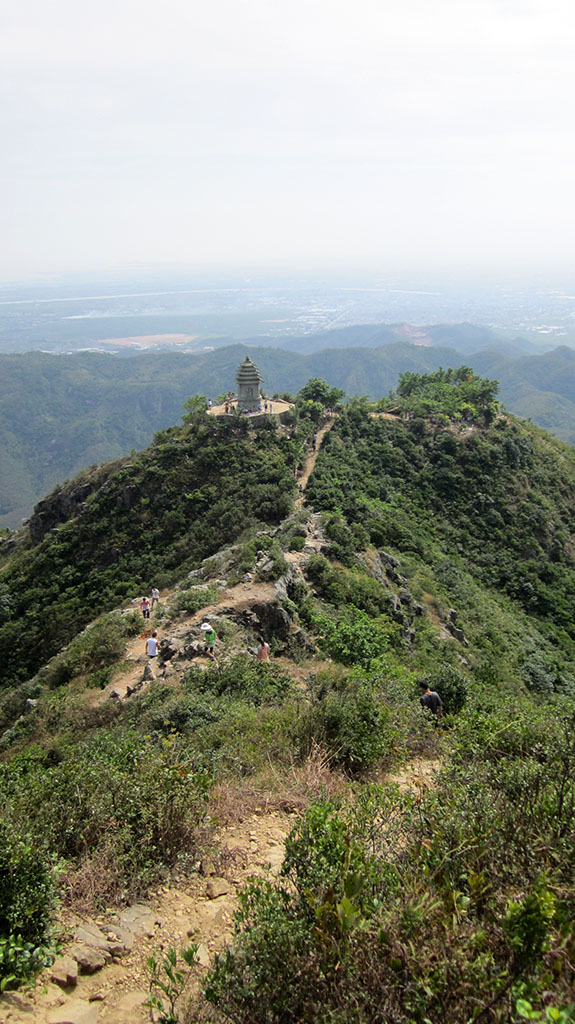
(188, 310)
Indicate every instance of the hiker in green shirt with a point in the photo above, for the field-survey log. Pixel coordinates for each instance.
(209, 638)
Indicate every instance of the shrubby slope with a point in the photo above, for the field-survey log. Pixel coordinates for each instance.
(438, 539)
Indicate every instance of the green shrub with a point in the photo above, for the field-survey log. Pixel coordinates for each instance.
(140, 802)
(192, 599)
(451, 685)
(245, 738)
(27, 899)
(98, 647)
(341, 587)
(354, 639)
(415, 910)
(350, 723)
(290, 938)
(297, 543)
(164, 712)
(252, 681)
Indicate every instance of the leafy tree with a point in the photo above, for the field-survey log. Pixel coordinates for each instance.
(316, 390)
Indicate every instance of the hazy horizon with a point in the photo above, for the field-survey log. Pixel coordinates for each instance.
(339, 139)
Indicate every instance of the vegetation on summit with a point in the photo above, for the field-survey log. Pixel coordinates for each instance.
(59, 415)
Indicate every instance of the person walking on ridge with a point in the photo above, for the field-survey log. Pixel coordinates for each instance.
(155, 597)
(152, 645)
(263, 651)
(430, 699)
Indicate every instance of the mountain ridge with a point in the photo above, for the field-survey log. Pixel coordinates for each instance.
(59, 415)
(433, 546)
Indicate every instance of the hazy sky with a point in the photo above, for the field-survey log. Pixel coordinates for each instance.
(382, 133)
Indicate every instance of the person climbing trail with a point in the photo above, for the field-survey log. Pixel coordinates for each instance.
(209, 639)
(430, 699)
(152, 645)
(263, 651)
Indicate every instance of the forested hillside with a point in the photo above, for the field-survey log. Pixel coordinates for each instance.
(113, 531)
(62, 414)
(434, 538)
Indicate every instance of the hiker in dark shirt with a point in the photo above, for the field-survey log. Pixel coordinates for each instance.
(430, 699)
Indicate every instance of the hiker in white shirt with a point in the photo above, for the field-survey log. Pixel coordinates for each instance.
(152, 645)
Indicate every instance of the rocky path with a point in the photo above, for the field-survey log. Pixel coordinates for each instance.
(101, 976)
(231, 600)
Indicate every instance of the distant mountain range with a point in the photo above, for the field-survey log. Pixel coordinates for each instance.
(60, 414)
(464, 338)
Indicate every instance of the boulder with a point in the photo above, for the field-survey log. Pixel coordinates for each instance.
(192, 650)
(64, 971)
(170, 648)
(139, 919)
(217, 887)
(395, 609)
(131, 1002)
(74, 1011)
(273, 620)
(91, 935)
(302, 642)
(57, 508)
(388, 560)
(90, 959)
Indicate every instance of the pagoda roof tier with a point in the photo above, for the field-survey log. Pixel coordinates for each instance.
(248, 373)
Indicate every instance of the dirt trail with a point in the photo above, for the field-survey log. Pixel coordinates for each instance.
(232, 599)
(198, 908)
(237, 598)
(417, 775)
(195, 909)
(311, 460)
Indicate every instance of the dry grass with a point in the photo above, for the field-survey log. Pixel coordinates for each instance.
(94, 882)
(289, 789)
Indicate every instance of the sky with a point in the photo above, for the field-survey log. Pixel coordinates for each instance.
(315, 134)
